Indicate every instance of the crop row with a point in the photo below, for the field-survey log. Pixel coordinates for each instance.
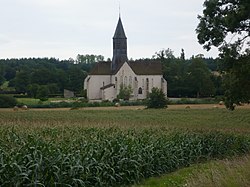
(105, 157)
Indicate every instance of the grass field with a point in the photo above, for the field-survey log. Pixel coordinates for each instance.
(116, 147)
(199, 119)
(233, 172)
(33, 101)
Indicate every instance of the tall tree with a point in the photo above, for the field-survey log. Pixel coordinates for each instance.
(88, 59)
(75, 79)
(164, 54)
(200, 79)
(225, 24)
(21, 81)
(182, 54)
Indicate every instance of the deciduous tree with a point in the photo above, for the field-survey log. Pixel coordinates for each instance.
(226, 24)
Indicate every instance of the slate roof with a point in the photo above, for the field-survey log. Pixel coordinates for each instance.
(119, 31)
(140, 67)
(102, 68)
(146, 67)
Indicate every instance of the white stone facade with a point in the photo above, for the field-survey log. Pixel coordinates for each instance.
(105, 80)
(107, 87)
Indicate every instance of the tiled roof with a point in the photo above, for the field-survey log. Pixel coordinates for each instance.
(102, 68)
(140, 67)
(146, 67)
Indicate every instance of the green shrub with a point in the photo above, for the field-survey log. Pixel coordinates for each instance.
(125, 92)
(7, 101)
(157, 99)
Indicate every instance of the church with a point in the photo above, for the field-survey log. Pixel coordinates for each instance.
(106, 78)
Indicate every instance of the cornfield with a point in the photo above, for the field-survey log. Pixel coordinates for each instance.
(84, 156)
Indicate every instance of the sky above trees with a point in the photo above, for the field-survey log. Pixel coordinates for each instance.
(65, 28)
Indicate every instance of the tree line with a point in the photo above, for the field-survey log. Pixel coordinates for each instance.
(43, 77)
(39, 77)
(194, 77)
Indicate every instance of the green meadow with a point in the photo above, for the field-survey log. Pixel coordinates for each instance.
(121, 147)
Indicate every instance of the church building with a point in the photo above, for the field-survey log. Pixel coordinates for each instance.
(106, 78)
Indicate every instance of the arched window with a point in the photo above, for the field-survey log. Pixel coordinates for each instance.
(147, 85)
(125, 81)
(130, 80)
(121, 80)
(140, 90)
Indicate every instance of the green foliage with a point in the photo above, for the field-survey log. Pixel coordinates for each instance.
(21, 81)
(199, 78)
(32, 90)
(10, 73)
(125, 92)
(104, 157)
(2, 79)
(189, 78)
(164, 54)
(43, 92)
(221, 19)
(25, 74)
(89, 59)
(156, 99)
(65, 147)
(195, 101)
(226, 172)
(76, 77)
(7, 101)
(237, 83)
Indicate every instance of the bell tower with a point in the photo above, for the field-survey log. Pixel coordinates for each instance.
(119, 46)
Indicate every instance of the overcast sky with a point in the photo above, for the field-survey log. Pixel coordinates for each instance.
(65, 28)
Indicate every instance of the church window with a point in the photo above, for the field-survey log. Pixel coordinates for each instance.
(140, 90)
(125, 81)
(121, 79)
(130, 80)
(147, 85)
(135, 78)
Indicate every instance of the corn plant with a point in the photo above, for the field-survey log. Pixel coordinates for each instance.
(76, 156)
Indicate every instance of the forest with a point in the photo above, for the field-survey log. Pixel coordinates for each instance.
(48, 77)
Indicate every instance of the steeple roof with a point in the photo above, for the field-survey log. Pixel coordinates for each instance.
(119, 31)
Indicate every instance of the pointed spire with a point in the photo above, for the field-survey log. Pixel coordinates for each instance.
(119, 31)
(119, 46)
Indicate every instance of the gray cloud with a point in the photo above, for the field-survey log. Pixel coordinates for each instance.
(64, 28)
